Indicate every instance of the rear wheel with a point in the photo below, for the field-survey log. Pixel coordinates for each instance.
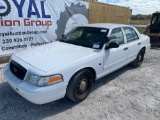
(138, 61)
(80, 85)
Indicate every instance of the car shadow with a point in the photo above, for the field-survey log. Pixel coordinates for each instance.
(106, 79)
(13, 106)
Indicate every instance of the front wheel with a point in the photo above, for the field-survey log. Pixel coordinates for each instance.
(139, 59)
(80, 85)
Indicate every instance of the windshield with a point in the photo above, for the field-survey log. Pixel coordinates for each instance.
(86, 36)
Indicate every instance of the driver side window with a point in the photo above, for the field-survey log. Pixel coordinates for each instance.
(117, 36)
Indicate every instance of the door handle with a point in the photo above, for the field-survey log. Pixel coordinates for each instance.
(139, 43)
(126, 48)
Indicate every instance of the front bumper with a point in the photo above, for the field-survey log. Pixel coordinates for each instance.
(35, 94)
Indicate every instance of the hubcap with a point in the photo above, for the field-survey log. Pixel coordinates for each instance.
(82, 85)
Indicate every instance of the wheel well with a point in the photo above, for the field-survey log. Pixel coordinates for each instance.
(91, 69)
(93, 72)
(144, 49)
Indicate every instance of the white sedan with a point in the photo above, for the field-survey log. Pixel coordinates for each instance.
(70, 66)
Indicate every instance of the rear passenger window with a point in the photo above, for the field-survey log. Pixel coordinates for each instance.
(117, 36)
(131, 34)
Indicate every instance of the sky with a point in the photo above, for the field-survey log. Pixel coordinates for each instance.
(144, 7)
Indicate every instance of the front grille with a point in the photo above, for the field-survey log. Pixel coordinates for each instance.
(17, 70)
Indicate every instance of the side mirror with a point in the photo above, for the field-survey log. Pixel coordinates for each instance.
(112, 45)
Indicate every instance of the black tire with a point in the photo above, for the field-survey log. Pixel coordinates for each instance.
(8, 9)
(80, 85)
(140, 57)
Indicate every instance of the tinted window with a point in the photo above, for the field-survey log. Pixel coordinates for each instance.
(117, 36)
(86, 36)
(131, 34)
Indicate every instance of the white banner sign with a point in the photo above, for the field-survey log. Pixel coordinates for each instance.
(31, 23)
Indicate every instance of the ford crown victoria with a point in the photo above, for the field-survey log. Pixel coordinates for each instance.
(68, 67)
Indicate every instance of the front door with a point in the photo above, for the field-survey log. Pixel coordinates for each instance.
(115, 58)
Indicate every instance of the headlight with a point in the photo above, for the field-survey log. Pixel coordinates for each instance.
(34, 79)
(44, 81)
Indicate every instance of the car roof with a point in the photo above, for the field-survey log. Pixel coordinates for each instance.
(106, 25)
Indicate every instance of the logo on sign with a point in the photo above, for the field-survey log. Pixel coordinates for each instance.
(74, 24)
(5, 8)
(31, 9)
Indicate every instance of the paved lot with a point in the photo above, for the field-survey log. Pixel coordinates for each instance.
(127, 94)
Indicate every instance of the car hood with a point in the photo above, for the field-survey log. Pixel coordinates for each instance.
(53, 55)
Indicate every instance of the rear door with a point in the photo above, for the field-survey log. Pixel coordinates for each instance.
(115, 58)
(133, 43)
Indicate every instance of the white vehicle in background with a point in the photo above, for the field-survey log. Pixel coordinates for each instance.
(70, 66)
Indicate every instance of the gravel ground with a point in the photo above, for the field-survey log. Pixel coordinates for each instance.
(127, 94)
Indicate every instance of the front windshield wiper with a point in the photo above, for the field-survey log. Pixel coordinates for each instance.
(63, 40)
(80, 45)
